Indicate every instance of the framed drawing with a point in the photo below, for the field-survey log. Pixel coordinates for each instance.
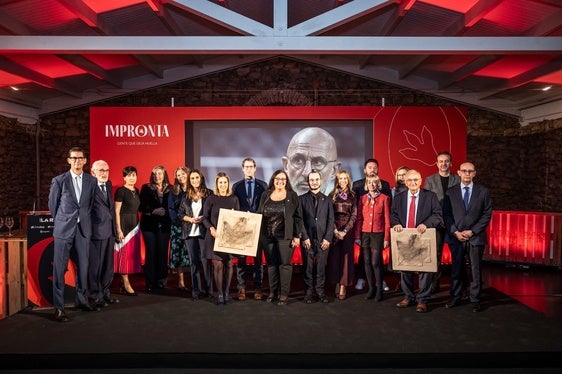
(412, 251)
(238, 232)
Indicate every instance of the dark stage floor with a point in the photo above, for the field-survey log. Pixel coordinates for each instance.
(519, 327)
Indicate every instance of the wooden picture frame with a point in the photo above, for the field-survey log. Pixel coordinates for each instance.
(412, 251)
(238, 232)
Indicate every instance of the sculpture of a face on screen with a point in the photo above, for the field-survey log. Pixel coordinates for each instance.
(311, 148)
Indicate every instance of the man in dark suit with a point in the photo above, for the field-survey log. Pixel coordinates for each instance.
(248, 191)
(468, 210)
(100, 272)
(318, 219)
(416, 208)
(439, 183)
(371, 166)
(71, 199)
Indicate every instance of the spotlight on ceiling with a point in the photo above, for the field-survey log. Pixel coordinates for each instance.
(547, 88)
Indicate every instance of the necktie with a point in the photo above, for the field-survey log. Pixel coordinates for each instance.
(466, 198)
(78, 189)
(249, 189)
(104, 191)
(412, 213)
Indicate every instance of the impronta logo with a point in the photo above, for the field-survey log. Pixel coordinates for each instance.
(136, 131)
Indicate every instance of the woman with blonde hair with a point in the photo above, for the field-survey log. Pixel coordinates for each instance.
(341, 255)
(223, 198)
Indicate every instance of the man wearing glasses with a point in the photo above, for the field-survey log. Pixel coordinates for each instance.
(71, 199)
(311, 148)
(439, 183)
(248, 191)
(418, 209)
(467, 212)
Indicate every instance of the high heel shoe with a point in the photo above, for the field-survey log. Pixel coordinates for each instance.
(342, 293)
(123, 291)
(220, 299)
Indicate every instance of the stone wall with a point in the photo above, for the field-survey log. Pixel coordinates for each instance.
(516, 163)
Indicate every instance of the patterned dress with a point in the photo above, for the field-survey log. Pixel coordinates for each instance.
(179, 256)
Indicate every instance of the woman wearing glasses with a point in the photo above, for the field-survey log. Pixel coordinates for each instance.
(281, 229)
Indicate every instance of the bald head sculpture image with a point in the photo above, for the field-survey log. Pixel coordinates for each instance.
(311, 148)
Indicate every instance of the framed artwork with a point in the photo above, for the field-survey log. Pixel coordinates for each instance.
(412, 251)
(238, 232)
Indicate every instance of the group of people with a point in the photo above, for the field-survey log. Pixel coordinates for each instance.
(178, 222)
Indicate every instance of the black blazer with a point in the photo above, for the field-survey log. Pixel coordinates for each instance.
(148, 202)
(239, 189)
(293, 214)
(475, 218)
(186, 210)
(103, 214)
(429, 210)
(320, 220)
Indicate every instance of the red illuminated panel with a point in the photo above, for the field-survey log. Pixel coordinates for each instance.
(511, 66)
(7, 79)
(109, 62)
(100, 6)
(461, 6)
(554, 78)
(516, 15)
(48, 65)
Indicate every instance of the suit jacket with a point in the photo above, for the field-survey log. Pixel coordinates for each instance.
(475, 218)
(359, 188)
(66, 209)
(433, 183)
(320, 220)
(103, 214)
(239, 190)
(293, 214)
(429, 210)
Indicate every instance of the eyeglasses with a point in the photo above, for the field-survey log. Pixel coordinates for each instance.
(467, 171)
(103, 170)
(249, 166)
(74, 159)
(401, 175)
(412, 180)
(280, 179)
(299, 161)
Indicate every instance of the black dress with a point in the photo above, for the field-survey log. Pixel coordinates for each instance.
(128, 259)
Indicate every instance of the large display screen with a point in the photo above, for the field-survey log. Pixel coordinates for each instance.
(295, 146)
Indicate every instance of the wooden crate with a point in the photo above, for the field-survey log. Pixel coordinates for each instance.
(13, 275)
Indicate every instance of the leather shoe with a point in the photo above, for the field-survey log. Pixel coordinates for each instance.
(476, 307)
(111, 300)
(88, 307)
(308, 299)
(452, 303)
(404, 303)
(60, 316)
(101, 303)
(323, 299)
(421, 308)
(258, 295)
(241, 294)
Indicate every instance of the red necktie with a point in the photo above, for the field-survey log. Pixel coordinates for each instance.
(412, 213)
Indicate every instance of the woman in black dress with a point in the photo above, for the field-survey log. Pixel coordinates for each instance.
(128, 248)
(155, 227)
(223, 198)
